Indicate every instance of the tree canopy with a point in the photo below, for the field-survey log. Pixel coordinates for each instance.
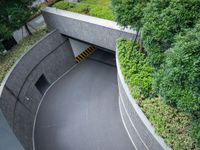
(129, 12)
(170, 34)
(13, 15)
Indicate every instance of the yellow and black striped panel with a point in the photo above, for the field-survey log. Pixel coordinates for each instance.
(84, 54)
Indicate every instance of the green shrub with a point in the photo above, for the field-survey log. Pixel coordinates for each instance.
(178, 80)
(83, 8)
(104, 12)
(176, 62)
(64, 5)
(162, 20)
(97, 2)
(195, 132)
(1, 48)
(170, 124)
(129, 12)
(136, 70)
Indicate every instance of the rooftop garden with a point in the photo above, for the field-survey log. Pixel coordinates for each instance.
(96, 8)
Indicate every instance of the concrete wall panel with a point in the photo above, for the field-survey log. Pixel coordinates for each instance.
(8, 101)
(100, 32)
(31, 59)
(78, 47)
(19, 96)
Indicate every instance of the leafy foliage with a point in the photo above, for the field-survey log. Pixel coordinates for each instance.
(1, 48)
(176, 62)
(129, 12)
(97, 2)
(162, 20)
(104, 12)
(13, 15)
(178, 80)
(135, 68)
(195, 132)
(170, 124)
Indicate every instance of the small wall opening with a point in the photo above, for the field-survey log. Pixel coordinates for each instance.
(42, 84)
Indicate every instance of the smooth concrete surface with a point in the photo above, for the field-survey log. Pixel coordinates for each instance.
(19, 95)
(78, 47)
(99, 32)
(81, 110)
(8, 140)
(137, 125)
(33, 25)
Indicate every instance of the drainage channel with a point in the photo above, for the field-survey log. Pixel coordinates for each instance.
(81, 110)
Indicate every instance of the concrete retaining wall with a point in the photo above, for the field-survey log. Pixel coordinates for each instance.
(19, 93)
(140, 130)
(78, 47)
(99, 32)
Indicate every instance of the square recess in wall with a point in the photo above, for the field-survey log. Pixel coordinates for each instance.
(42, 84)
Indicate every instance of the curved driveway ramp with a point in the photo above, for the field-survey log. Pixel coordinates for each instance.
(81, 110)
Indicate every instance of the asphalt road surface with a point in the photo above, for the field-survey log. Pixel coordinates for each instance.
(81, 110)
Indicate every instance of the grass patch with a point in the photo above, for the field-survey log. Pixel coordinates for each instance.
(87, 7)
(97, 2)
(8, 59)
(173, 126)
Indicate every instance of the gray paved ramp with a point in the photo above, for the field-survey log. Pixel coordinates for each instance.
(81, 111)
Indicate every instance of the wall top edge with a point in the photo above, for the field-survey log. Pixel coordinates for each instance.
(89, 19)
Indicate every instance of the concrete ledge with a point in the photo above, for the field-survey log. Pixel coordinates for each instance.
(20, 95)
(99, 32)
(139, 128)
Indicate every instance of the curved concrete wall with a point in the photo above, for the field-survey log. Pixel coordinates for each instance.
(19, 95)
(140, 130)
(99, 32)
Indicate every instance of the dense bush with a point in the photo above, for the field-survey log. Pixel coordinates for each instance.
(171, 43)
(104, 12)
(129, 12)
(13, 15)
(64, 5)
(195, 132)
(135, 68)
(162, 21)
(1, 48)
(178, 80)
(170, 124)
